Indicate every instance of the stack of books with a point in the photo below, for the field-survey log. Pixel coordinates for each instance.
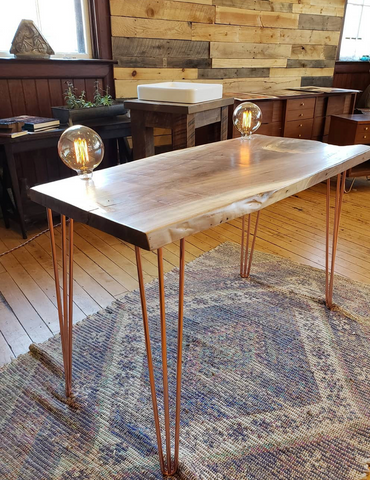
(24, 124)
(11, 129)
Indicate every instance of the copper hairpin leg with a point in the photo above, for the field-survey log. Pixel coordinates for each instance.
(245, 262)
(65, 308)
(329, 273)
(169, 467)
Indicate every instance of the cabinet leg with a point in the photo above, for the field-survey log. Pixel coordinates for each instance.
(168, 466)
(15, 187)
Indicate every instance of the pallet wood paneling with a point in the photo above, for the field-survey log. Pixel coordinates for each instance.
(239, 16)
(236, 42)
(150, 28)
(163, 9)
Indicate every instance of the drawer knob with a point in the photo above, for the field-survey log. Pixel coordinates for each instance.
(366, 128)
(365, 136)
(302, 104)
(301, 114)
(299, 135)
(300, 125)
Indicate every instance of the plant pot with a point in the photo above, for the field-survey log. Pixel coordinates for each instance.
(71, 116)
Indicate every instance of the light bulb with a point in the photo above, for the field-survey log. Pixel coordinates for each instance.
(81, 149)
(247, 118)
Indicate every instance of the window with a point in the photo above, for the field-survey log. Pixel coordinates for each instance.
(64, 24)
(356, 32)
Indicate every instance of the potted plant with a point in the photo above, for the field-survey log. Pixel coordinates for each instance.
(78, 108)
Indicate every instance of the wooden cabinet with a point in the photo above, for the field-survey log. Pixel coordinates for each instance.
(295, 114)
(351, 130)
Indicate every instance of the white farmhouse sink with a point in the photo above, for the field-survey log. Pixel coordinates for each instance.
(180, 92)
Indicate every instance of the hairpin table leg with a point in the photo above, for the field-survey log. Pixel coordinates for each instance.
(168, 467)
(65, 307)
(245, 262)
(329, 272)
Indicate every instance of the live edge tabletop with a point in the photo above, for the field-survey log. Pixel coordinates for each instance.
(161, 199)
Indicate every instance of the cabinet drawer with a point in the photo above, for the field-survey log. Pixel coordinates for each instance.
(299, 109)
(362, 134)
(299, 129)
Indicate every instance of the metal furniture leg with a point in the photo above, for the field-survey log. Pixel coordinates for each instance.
(245, 262)
(329, 272)
(168, 467)
(65, 306)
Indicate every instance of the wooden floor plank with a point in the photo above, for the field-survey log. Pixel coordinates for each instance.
(6, 355)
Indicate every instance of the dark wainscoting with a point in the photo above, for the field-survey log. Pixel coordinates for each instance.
(32, 87)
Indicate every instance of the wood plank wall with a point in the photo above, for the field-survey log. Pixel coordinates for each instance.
(248, 45)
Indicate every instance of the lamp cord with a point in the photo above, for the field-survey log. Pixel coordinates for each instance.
(28, 241)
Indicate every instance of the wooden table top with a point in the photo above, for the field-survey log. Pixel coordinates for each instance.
(355, 117)
(161, 199)
(177, 108)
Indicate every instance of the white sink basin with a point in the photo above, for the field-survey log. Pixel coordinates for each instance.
(180, 92)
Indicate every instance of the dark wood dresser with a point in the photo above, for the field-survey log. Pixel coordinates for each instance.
(299, 114)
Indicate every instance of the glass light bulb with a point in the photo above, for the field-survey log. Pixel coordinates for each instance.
(247, 118)
(81, 149)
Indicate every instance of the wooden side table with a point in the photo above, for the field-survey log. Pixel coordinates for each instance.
(181, 118)
(352, 130)
(117, 128)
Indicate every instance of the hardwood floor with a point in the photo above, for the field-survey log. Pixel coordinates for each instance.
(105, 266)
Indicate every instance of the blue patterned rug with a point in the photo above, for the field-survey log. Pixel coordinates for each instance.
(274, 385)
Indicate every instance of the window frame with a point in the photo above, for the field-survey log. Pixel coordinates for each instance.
(341, 38)
(89, 37)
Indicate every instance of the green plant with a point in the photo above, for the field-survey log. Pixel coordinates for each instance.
(79, 101)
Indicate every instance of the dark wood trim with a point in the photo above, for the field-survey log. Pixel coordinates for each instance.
(54, 68)
(100, 28)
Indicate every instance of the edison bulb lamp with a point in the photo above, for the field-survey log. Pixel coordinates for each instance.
(81, 149)
(247, 118)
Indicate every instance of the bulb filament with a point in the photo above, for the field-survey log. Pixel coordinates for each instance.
(247, 120)
(81, 151)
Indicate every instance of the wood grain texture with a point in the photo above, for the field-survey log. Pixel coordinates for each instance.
(163, 9)
(142, 47)
(150, 28)
(198, 187)
(318, 9)
(319, 22)
(240, 16)
(262, 5)
(161, 74)
(248, 62)
(249, 50)
(317, 52)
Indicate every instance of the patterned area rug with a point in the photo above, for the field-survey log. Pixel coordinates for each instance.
(274, 386)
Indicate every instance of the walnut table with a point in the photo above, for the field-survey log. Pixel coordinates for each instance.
(166, 198)
(181, 118)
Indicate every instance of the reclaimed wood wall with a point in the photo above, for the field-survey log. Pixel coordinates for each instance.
(248, 45)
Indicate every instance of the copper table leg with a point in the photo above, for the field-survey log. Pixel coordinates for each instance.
(245, 262)
(329, 272)
(168, 467)
(65, 307)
